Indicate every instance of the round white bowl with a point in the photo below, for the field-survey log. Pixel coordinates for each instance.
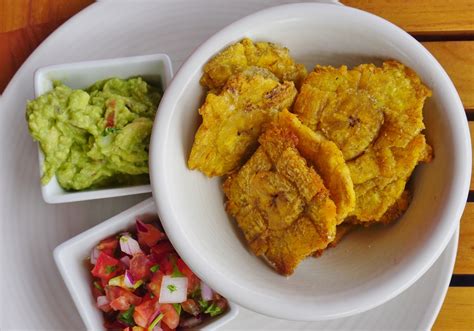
(369, 267)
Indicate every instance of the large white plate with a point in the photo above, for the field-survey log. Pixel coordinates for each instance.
(32, 294)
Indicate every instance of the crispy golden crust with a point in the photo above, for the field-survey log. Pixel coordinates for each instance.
(244, 54)
(280, 202)
(376, 194)
(374, 114)
(345, 115)
(328, 161)
(232, 121)
(368, 103)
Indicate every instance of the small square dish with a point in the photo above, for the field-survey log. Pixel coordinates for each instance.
(155, 69)
(70, 258)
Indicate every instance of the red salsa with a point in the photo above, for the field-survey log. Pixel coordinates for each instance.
(140, 283)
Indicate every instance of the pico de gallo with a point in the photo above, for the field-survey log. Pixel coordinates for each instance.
(139, 282)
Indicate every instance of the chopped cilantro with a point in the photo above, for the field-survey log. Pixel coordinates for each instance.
(110, 268)
(177, 307)
(98, 286)
(127, 316)
(196, 292)
(176, 272)
(109, 131)
(203, 304)
(171, 287)
(213, 310)
(155, 322)
(155, 268)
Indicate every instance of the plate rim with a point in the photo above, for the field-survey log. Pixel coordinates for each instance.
(79, 16)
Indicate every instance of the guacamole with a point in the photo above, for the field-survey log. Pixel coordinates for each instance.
(95, 137)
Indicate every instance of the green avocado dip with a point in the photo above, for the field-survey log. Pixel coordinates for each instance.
(95, 137)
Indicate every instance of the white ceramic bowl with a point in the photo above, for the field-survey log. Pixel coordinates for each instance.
(70, 256)
(155, 68)
(370, 266)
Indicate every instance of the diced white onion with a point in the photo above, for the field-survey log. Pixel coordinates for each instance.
(102, 301)
(206, 292)
(128, 279)
(129, 246)
(173, 289)
(94, 255)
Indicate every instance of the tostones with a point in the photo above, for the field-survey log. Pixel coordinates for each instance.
(233, 119)
(246, 53)
(280, 202)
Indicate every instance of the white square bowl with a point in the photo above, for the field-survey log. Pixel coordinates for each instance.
(155, 68)
(70, 256)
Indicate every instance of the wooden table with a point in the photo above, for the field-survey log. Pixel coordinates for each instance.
(445, 27)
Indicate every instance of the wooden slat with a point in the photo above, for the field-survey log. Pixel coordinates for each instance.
(423, 17)
(457, 312)
(47, 11)
(465, 258)
(15, 14)
(457, 59)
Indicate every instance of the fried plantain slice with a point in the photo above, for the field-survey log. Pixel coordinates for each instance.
(328, 161)
(239, 56)
(375, 196)
(329, 102)
(232, 121)
(374, 114)
(280, 202)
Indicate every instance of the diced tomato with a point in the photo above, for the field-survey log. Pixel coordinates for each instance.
(148, 234)
(105, 308)
(193, 280)
(171, 317)
(144, 312)
(95, 291)
(166, 264)
(106, 267)
(161, 249)
(121, 303)
(155, 284)
(121, 299)
(113, 325)
(140, 267)
(165, 327)
(190, 306)
(110, 120)
(108, 246)
(104, 282)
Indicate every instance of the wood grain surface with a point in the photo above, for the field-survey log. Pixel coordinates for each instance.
(457, 312)
(457, 59)
(423, 17)
(465, 258)
(446, 28)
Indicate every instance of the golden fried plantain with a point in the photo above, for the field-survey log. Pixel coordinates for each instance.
(329, 102)
(232, 121)
(328, 161)
(374, 115)
(280, 202)
(375, 195)
(244, 54)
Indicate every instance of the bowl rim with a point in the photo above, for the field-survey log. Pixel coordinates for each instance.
(41, 76)
(238, 293)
